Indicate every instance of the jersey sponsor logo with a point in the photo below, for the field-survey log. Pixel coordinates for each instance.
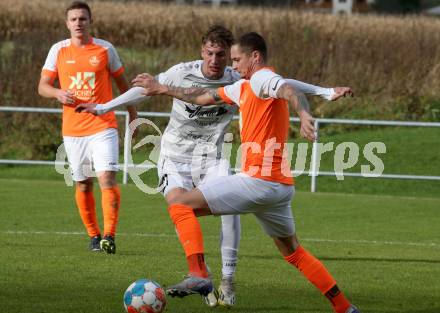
(206, 138)
(205, 123)
(83, 80)
(70, 61)
(83, 84)
(94, 61)
(199, 112)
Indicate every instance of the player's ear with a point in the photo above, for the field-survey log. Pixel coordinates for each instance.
(202, 50)
(259, 57)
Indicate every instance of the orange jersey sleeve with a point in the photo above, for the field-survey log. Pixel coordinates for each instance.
(225, 98)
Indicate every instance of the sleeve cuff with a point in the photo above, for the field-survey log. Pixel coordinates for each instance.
(222, 94)
(327, 93)
(118, 72)
(49, 73)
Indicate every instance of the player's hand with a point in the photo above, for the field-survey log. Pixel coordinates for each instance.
(307, 129)
(342, 92)
(149, 83)
(65, 97)
(86, 108)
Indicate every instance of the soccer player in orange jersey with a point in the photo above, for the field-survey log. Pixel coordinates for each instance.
(84, 67)
(265, 185)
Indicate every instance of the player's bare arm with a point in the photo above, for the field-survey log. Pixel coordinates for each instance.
(46, 89)
(341, 92)
(289, 93)
(199, 96)
(88, 108)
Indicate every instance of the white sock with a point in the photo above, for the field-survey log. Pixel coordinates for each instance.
(229, 240)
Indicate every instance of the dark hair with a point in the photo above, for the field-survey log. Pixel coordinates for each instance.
(253, 42)
(79, 5)
(219, 35)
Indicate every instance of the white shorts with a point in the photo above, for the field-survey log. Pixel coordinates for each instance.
(269, 201)
(188, 176)
(98, 152)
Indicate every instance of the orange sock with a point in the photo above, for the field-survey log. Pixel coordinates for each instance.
(318, 275)
(111, 199)
(196, 265)
(87, 210)
(190, 236)
(338, 300)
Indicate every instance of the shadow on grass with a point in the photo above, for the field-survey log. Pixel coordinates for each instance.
(431, 310)
(350, 259)
(284, 309)
(369, 259)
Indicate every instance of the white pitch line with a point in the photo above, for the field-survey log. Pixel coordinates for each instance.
(366, 242)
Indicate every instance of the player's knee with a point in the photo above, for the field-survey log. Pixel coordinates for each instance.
(175, 196)
(85, 185)
(286, 245)
(172, 200)
(177, 200)
(107, 180)
(193, 199)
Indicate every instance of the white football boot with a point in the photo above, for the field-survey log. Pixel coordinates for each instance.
(211, 299)
(226, 293)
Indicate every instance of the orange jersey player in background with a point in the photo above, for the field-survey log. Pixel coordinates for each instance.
(84, 67)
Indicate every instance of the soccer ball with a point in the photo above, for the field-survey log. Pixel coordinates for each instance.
(144, 296)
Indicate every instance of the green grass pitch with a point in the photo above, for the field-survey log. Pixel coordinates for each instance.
(383, 250)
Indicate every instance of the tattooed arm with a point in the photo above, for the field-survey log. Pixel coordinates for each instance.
(200, 96)
(300, 104)
(289, 93)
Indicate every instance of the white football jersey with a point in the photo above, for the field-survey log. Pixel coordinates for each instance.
(195, 131)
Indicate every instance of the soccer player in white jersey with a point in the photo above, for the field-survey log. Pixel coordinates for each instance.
(265, 185)
(192, 141)
(84, 67)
